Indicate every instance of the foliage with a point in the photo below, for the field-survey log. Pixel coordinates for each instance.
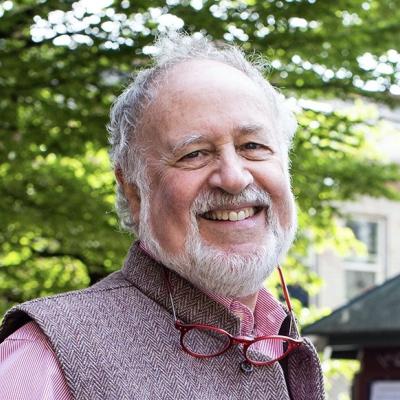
(339, 370)
(62, 64)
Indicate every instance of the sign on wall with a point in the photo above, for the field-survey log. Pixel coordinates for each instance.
(385, 390)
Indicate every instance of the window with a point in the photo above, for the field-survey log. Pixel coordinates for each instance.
(358, 282)
(363, 270)
(367, 233)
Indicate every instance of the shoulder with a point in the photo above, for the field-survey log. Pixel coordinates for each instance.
(70, 307)
(110, 283)
(83, 299)
(28, 366)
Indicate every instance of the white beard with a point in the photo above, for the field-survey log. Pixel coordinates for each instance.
(215, 270)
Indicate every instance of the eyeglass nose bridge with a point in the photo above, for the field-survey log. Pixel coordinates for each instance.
(244, 340)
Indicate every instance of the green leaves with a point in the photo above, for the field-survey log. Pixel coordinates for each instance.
(63, 63)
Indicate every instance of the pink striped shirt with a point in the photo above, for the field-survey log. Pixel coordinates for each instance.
(265, 321)
(29, 369)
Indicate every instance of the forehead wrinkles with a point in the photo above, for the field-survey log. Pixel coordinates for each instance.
(156, 117)
(162, 115)
(149, 116)
(172, 92)
(196, 77)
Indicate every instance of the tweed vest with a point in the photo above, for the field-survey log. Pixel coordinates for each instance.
(116, 340)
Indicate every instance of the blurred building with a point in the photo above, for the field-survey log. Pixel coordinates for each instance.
(376, 223)
(367, 328)
(359, 288)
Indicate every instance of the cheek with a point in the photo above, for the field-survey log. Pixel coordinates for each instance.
(284, 206)
(174, 197)
(170, 211)
(278, 186)
(274, 181)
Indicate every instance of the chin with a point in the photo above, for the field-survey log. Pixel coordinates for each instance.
(240, 245)
(244, 248)
(241, 250)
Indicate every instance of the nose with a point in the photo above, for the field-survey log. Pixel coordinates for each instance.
(230, 174)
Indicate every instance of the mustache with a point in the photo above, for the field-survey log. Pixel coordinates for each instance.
(212, 199)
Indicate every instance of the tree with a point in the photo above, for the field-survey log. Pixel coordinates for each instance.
(62, 64)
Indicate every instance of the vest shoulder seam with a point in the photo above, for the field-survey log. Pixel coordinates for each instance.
(81, 292)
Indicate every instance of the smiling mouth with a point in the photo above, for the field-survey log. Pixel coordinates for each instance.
(231, 215)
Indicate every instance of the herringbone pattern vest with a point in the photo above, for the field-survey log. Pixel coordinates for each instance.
(116, 340)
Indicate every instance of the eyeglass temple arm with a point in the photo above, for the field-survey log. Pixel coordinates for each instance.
(287, 299)
(168, 283)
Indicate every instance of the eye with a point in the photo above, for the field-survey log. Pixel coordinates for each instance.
(252, 146)
(194, 159)
(192, 155)
(255, 151)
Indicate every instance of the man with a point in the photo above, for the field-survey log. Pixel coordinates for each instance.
(199, 144)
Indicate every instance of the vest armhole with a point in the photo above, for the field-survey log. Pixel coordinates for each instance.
(12, 322)
(285, 331)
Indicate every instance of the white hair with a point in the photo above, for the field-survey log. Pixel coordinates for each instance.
(128, 108)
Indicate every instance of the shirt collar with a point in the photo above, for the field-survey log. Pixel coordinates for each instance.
(266, 320)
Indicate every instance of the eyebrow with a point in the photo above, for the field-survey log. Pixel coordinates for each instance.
(249, 129)
(192, 138)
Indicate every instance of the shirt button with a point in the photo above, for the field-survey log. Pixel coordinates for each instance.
(246, 367)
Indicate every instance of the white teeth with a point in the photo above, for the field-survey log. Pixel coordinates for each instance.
(226, 215)
(241, 215)
(233, 216)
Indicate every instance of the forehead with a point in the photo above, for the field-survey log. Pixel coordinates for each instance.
(207, 98)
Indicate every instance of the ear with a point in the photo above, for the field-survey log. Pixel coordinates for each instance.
(132, 194)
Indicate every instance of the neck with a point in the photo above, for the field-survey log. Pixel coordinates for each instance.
(249, 301)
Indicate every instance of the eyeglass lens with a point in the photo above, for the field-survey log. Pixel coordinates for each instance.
(267, 349)
(205, 342)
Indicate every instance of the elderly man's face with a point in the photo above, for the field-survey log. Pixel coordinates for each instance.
(210, 132)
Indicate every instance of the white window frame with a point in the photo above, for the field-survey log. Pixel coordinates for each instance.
(378, 267)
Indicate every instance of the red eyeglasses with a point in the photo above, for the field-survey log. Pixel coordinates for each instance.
(205, 341)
